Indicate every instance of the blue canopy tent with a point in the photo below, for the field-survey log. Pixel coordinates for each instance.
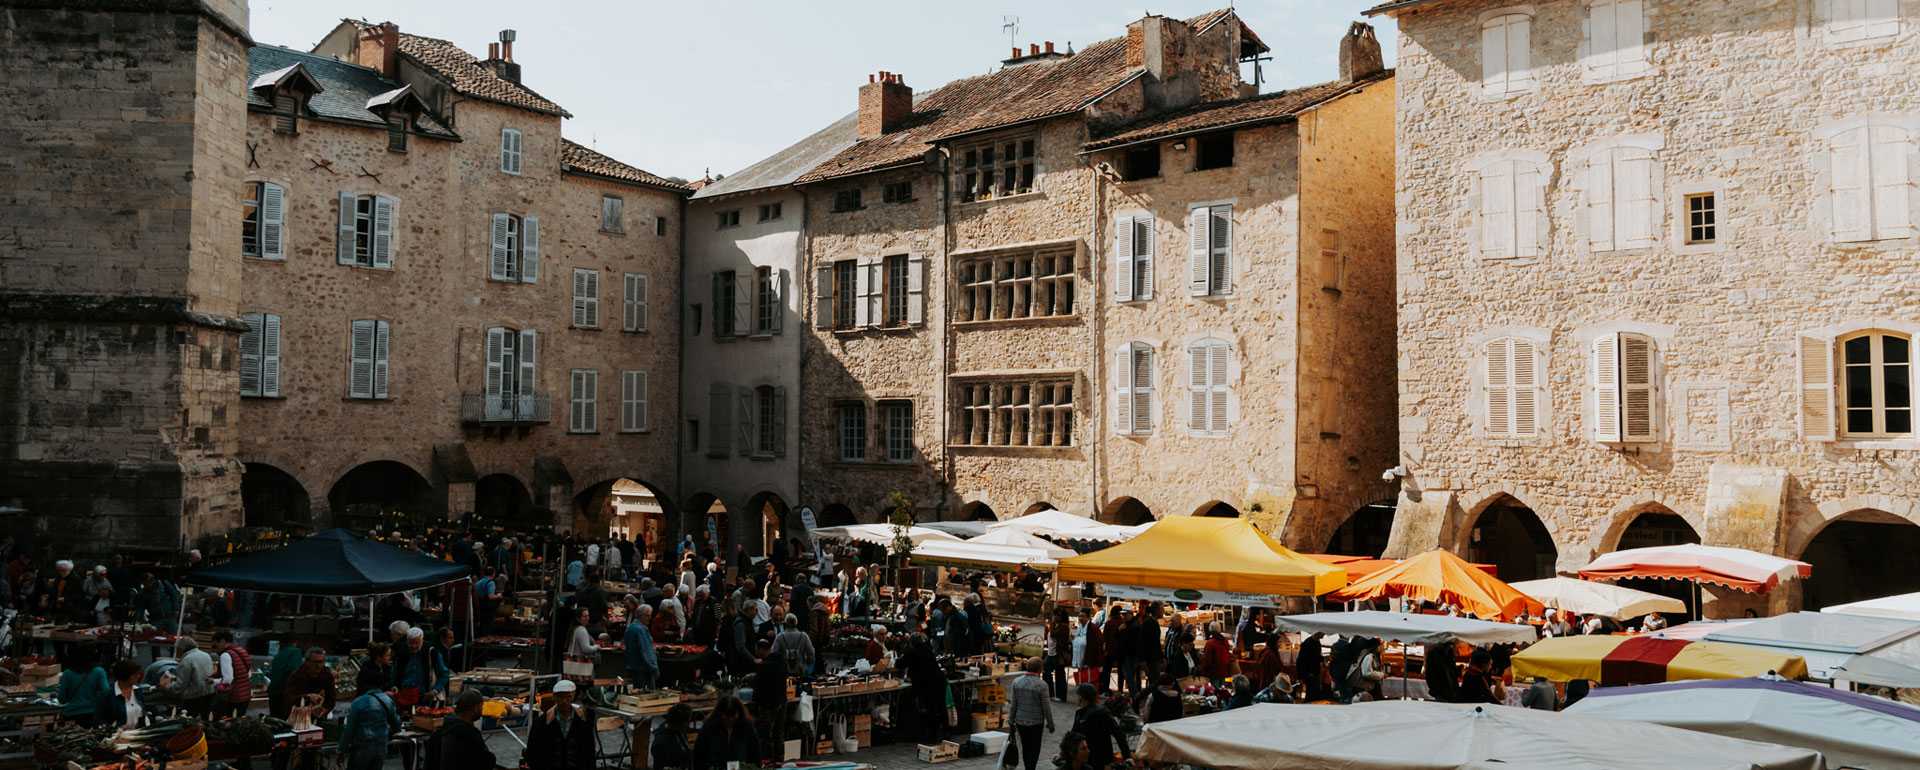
(332, 563)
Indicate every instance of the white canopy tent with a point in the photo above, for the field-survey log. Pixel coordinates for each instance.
(1408, 628)
(1589, 598)
(966, 553)
(1900, 607)
(1828, 641)
(1061, 526)
(1423, 735)
(1858, 731)
(1018, 539)
(882, 534)
(960, 529)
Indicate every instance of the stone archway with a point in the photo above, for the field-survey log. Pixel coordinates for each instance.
(1126, 512)
(272, 497)
(501, 500)
(1217, 509)
(1364, 533)
(771, 515)
(1037, 507)
(1508, 534)
(710, 523)
(977, 511)
(381, 493)
(1861, 554)
(836, 515)
(1652, 525)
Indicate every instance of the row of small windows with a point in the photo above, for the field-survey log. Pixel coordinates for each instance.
(892, 431)
(751, 421)
(1209, 389)
(888, 292)
(1210, 152)
(1855, 386)
(749, 306)
(1029, 412)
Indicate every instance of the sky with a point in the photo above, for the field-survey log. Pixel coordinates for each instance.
(680, 88)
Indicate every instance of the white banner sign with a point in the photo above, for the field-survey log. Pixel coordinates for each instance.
(1189, 596)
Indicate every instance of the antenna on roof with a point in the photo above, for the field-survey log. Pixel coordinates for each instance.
(1012, 28)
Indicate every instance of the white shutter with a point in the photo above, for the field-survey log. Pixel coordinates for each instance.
(1879, 18)
(1519, 53)
(530, 250)
(1846, 19)
(527, 361)
(1199, 278)
(1123, 390)
(745, 292)
(717, 310)
(273, 205)
(584, 392)
(344, 237)
(1852, 200)
(1638, 389)
(1143, 257)
(1635, 215)
(863, 280)
(510, 151)
(593, 298)
(876, 292)
(1526, 388)
(1606, 384)
(749, 419)
(1497, 191)
(1602, 227)
(1529, 199)
(250, 343)
(1630, 50)
(823, 297)
(1891, 153)
(635, 312)
(1197, 398)
(1217, 388)
(1493, 56)
(779, 422)
(496, 344)
(383, 233)
(360, 361)
(498, 268)
(1603, 40)
(1143, 382)
(380, 359)
(1499, 388)
(779, 319)
(580, 298)
(916, 290)
(270, 356)
(1123, 259)
(1220, 242)
(633, 401)
(1816, 389)
(592, 420)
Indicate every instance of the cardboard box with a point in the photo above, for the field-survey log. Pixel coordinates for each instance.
(993, 741)
(864, 738)
(790, 750)
(312, 736)
(990, 693)
(823, 748)
(945, 751)
(427, 723)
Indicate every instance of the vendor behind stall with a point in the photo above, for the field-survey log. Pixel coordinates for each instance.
(561, 737)
(236, 676)
(82, 685)
(424, 674)
(121, 705)
(643, 665)
(377, 672)
(313, 684)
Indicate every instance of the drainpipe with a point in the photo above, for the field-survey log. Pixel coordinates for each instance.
(803, 275)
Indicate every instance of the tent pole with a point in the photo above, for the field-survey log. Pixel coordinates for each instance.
(370, 603)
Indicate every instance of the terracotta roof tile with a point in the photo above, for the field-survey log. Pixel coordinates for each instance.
(577, 157)
(468, 75)
(1201, 117)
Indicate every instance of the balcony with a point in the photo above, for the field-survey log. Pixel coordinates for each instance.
(504, 409)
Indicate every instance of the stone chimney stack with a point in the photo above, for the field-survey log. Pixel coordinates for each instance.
(379, 48)
(1359, 53)
(885, 103)
(1165, 48)
(500, 57)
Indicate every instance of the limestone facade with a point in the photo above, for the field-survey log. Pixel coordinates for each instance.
(1548, 156)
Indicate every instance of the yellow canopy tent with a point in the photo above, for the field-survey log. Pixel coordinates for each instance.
(1616, 660)
(1217, 556)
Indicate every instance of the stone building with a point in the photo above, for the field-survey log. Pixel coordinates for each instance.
(1653, 283)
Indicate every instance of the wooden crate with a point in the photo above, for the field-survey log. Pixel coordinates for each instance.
(990, 693)
(945, 751)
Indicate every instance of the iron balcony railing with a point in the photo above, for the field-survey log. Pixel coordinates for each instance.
(505, 409)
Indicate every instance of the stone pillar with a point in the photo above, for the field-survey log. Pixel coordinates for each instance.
(1422, 521)
(1745, 507)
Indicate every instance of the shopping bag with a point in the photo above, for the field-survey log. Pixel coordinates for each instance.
(804, 711)
(1009, 752)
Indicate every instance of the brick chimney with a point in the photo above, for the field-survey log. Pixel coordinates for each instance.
(379, 48)
(500, 57)
(885, 102)
(1359, 53)
(1034, 53)
(1165, 48)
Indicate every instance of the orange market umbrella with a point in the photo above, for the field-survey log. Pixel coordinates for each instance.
(1439, 576)
(1359, 567)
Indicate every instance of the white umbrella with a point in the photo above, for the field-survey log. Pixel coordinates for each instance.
(970, 554)
(1018, 539)
(1902, 607)
(1408, 628)
(1853, 730)
(1423, 735)
(1062, 525)
(1589, 598)
(881, 534)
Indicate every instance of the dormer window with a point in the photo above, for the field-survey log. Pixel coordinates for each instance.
(286, 114)
(398, 108)
(397, 134)
(285, 90)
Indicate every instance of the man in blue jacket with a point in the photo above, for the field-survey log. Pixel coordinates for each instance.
(643, 666)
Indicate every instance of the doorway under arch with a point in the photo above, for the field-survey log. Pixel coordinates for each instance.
(1217, 509)
(501, 500)
(1126, 512)
(1364, 533)
(977, 511)
(382, 492)
(1037, 507)
(271, 497)
(773, 514)
(710, 524)
(1657, 526)
(836, 515)
(1864, 554)
(1509, 535)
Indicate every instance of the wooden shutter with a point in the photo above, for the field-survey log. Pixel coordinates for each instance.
(383, 233)
(593, 298)
(1197, 399)
(1499, 388)
(360, 361)
(916, 290)
(1217, 388)
(635, 312)
(1526, 388)
(779, 319)
(1143, 382)
(1602, 228)
(1852, 200)
(1123, 390)
(510, 151)
(718, 330)
(1635, 214)
(1220, 243)
(1123, 259)
(250, 344)
(1199, 278)
(633, 401)
(380, 359)
(270, 355)
(585, 388)
(1519, 50)
(862, 279)
(1497, 228)
(1816, 389)
(580, 298)
(1629, 34)
(1143, 257)
(499, 269)
(527, 361)
(745, 293)
(1639, 394)
(1606, 383)
(876, 291)
(1493, 56)
(1891, 152)
(1879, 18)
(344, 237)
(530, 250)
(273, 205)
(1529, 199)
(1603, 40)
(720, 413)
(779, 422)
(749, 419)
(496, 354)
(823, 297)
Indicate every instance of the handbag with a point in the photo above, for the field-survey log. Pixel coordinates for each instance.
(1009, 753)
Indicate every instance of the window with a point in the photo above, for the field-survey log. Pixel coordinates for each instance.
(367, 360)
(1133, 381)
(1700, 219)
(1016, 412)
(846, 200)
(769, 212)
(510, 374)
(286, 113)
(261, 228)
(1024, 283)
(1332, 262)
(1876, 393)
(1850, 21)
(694, 323)
(728, 218)
(897, 192)
(366, 231)
(610, 220)
(842, 302)
(1512, 382)
(762, 427)
(894, 268)
(583, 395)
(633, 402)
(852, 421)
(1869, 186)
(770, 286)
(260, 355)
(995, 169)
(720, 414)
(871, 292)
(1616, 41)
(1212, 257)
(509, 151)
(693, 435)
(1142, 163)
(633, 304)
(1626, 403)
(1213, 152)
(727, 319)
(1207, 388)
(1133, 258)
(586, 299)
(1509, 204)
(516, 249)
(1621, 213)
(659, 225)
(1505, 54)
(898, 418)
(397, 134)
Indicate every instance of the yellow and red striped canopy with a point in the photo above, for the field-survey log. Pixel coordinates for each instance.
(1619, 660)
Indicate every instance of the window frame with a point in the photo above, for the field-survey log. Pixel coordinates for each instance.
(726, 220)
(847, 199)
(896, 444)
(1623, 57)
(1208, 153)
(897, 192)
(633, 401)
(1210, 261)
(1210, 386)
(1135, 407)
(846, 295)
(894, 285)
(618, 224)
(1614, 388)
(1012, 278)
(512, 146)
(1534, 386)
(983, 169)
(770, 212)
(1864, 31)
(987, 409)
(586, 298)
(1507, 85)
(1516, 179)
(635, 302)
(583, 401)
(377, 359)
(264, 329)
(850, 436)
(1131, 160)
(1884, 185)
(1877, 384)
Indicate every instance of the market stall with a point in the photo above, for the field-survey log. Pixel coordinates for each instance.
(1587, 597)
(1206, 560)
(1828, 641)
(1408, 628)
(1900, 606)
(1859, 731)
(1736, 568)
(1621, 660)
(332, 563)
(1441, 577)
(881, 534)
(1060, 525)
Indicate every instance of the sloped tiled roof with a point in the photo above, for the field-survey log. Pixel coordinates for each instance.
(781, 168)
(1201, 117)
(345, 88)
(1393, 5)
(467, 75)
(577, 157)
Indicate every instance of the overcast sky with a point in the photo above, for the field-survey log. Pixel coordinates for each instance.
(678, 88)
